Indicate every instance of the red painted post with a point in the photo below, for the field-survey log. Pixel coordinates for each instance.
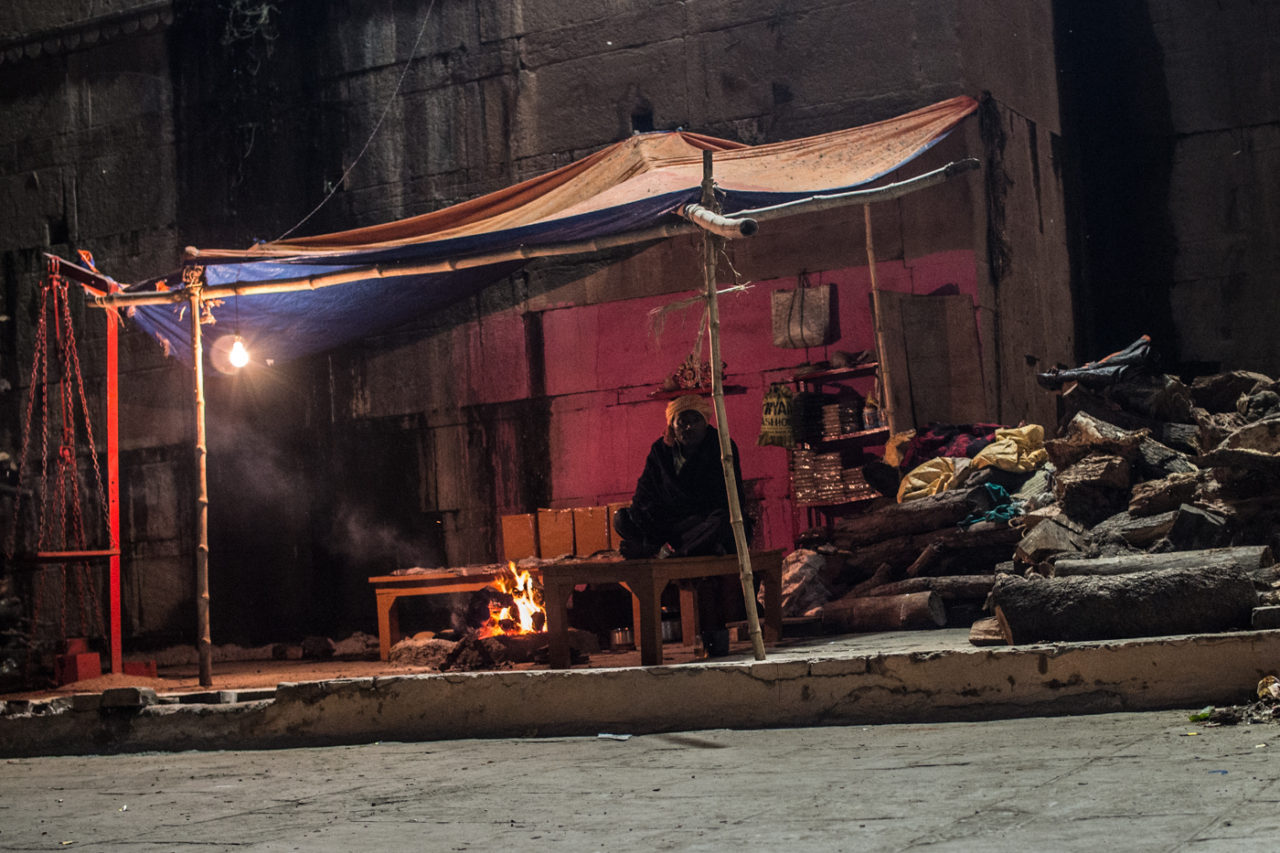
(113, 484)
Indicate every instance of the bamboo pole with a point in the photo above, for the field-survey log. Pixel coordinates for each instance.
(204, 645)
(886, 408)
(710, 243)
(379, 271)
(724, 226)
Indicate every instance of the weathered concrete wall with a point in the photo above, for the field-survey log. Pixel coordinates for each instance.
(1023, 261)
(1173, 117)
(213, 126)
(790, 689)
(1223, 72)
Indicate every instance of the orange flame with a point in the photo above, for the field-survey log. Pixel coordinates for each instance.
(525, 614)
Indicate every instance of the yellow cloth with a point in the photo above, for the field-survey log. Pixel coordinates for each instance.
(929, 478)
(896, 446)
(685, 403)
(1018, 449)
(689, 402)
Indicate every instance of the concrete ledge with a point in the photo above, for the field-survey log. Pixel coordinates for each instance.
(789, 689)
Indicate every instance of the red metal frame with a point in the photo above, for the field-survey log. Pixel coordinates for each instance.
(113, 485)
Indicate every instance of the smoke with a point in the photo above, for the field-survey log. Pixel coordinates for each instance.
(360, 536)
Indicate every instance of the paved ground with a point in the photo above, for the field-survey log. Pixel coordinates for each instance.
(1133, 782)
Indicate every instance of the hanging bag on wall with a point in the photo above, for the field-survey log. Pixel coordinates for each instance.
(802, 317)
(775, 419)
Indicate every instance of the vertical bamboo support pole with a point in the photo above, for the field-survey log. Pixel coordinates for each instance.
(710, 243)
(886, 407)
(204, 646)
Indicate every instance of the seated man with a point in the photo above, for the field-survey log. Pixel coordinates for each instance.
(681, 507)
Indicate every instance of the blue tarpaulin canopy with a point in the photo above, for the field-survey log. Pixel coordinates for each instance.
(292, 298)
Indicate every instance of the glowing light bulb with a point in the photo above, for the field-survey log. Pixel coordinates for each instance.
(239, 355)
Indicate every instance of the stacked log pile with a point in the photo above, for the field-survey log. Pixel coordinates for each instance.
(1156, 514)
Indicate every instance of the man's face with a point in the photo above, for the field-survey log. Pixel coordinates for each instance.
(690, 428)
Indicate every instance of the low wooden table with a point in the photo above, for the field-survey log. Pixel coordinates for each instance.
(390, 588)
(646, 580)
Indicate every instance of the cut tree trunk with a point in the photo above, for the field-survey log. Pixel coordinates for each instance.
(1247, 558)
(851, 615)
(1144, 604)
(948, 587)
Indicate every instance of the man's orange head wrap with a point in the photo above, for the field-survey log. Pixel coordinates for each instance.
(687, 403)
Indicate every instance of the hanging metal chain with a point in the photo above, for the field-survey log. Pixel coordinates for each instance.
(61, 501)
(41, 332)
(74, 361)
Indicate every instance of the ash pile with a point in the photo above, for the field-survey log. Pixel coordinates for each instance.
(1153, 511)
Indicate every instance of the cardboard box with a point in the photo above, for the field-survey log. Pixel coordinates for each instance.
(519, 536)
(590, 530)
(612, 510)
(555, 533)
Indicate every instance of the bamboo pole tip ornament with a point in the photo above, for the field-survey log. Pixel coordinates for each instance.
(190, 252)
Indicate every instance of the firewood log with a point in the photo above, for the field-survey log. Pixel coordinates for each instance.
(947, 587)
(884, 574)
(972, 550)
(1218, 392)
(1144, 604)
(898, 520)
(969, 550)
(1094, 488)
(1159, 460)
(1251, 559)
(851, 615)
(1138, 532)
(1167, 493)
(986, 632)
(1049, 538)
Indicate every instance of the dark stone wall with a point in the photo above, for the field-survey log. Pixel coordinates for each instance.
(218, 123)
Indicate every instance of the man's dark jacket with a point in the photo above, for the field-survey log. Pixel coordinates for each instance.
(667, 502)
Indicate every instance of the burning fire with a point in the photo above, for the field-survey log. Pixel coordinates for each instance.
(524, 615)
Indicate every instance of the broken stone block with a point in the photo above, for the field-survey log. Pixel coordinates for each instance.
(1266, 618)
(128, 697)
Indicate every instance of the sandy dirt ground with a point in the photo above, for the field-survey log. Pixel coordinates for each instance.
(1132, 782)
(258, 674)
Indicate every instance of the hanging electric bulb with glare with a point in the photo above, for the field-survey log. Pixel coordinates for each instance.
(239, 355)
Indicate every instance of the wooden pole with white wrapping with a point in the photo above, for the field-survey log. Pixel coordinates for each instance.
(710, 245)
(886, 407)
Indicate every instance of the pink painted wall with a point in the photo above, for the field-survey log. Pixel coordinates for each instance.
(603, 360)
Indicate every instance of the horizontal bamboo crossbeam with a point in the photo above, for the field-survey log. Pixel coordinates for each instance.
(65, 556)
(816, 203)
(382, 271)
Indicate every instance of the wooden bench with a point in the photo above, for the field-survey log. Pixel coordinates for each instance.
(389, 589)
(646, 579)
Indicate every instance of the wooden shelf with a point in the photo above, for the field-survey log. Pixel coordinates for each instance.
(866, 436)
(847, 502)
(701, 392)
(836, 374)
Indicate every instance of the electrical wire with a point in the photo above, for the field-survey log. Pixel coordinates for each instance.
(413, 53)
